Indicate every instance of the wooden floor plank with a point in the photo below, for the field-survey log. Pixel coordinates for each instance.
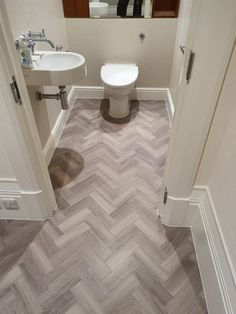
(104, 250)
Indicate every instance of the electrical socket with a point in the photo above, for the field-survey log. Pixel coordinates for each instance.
(10, 204)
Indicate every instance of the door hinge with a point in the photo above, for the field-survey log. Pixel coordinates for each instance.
(15, 91)
(190, 66)
(165, 195)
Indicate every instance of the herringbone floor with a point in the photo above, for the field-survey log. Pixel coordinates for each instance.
(105, 249)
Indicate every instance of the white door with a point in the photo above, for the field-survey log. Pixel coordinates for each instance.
(211, 38)
(25, 187)
(213, 198)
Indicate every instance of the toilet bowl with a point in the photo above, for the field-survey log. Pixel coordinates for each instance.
(119, 81)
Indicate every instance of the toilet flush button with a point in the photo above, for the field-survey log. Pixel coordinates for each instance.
(141, 36)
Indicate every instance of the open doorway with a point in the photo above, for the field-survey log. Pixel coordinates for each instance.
(105, 249)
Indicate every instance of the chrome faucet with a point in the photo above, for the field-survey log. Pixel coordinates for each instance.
(32, 37)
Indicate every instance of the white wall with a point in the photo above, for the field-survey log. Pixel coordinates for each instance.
(6, 170)
(116, 40)
(34, 15)
(218, 167)
(181, 40)
(100, 41)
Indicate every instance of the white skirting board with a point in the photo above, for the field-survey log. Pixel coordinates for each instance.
(216, 268)
(139, 93)
(217, 273)
(57, 130)
(10, 189)
(26, 200)
(175, 212)
(97, 92)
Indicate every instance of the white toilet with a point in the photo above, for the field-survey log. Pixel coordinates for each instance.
(119, 81)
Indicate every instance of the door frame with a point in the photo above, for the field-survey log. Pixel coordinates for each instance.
(23, 148)
(212, 29)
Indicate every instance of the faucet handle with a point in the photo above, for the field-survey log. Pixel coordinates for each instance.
(17, 44)
(59, 47)
(31, 44)
(36, 34)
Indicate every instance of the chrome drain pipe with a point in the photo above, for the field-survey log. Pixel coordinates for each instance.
(62, 96)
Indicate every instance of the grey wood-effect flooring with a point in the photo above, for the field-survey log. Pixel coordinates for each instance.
(105, 249)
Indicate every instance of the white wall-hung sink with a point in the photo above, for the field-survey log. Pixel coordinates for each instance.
(55, 68)
(97, 9)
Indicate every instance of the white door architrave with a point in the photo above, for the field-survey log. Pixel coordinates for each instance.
(211, 37)
(31, 186)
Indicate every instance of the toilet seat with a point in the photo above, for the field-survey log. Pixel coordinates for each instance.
(119, 75)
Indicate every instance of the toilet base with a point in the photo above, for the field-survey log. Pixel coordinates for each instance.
(119, 106)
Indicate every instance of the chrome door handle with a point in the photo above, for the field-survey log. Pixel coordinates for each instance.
(15, 91)
(182, 48)
(190, 66)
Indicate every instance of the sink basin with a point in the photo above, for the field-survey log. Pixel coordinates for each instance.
(55, 68)
(97, 9)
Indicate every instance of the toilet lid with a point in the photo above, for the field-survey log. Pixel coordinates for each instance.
(118, 75)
